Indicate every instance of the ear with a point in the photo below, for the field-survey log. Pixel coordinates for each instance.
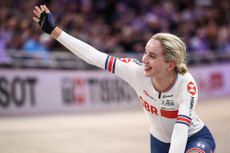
(171, 65)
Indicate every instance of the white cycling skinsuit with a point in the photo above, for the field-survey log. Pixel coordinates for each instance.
(171, 113)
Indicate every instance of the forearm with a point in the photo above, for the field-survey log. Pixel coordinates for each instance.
(179, 139)
(86, 52)
(80, 48)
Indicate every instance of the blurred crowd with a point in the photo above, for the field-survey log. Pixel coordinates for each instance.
(114, 26)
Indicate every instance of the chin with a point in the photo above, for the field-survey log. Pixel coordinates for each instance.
(147, 74)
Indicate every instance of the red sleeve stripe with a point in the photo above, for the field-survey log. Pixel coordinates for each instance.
(110, 64)
(183, 119)
(184, 116)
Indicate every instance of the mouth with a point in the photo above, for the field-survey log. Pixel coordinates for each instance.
(147, 68)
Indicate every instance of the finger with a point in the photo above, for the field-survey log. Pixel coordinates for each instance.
(36, 19)
(38, 10)
(42, 8)
(36, 13)
(46, 9)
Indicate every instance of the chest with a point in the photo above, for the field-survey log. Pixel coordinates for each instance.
(164, 104)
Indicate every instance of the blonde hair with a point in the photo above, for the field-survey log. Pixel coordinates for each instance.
(174, 49)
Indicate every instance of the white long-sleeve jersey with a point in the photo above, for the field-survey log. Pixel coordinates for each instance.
(171, 113)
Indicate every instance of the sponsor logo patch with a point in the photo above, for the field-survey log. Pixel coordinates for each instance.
(167, 96)
(191, 88)
(167, 102)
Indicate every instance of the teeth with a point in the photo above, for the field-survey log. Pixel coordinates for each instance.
(147, 68)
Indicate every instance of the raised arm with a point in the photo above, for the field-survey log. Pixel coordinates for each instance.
(124, 68)
(86, 52)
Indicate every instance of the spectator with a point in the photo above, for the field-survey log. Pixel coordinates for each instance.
(123, 25)
(4, 38)
(34, 47)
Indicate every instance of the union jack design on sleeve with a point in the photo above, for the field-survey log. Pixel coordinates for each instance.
(182, 119)
(110, 63)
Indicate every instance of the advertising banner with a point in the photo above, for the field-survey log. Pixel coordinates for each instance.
(212, 80)
(49, 91)
(34, 91)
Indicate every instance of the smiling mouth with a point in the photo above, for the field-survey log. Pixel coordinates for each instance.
(146, 68)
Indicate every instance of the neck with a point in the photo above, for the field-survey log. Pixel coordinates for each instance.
(162, 83)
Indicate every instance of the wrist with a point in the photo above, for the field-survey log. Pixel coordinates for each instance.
(56, 32)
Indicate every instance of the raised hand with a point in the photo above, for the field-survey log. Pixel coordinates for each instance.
(43, 17)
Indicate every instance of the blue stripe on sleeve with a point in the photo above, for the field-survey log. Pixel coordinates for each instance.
(185, 116)
(114, 65)
(106, 62)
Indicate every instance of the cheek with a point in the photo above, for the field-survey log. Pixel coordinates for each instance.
(155, 62)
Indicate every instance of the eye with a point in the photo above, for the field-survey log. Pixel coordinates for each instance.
(152, 56)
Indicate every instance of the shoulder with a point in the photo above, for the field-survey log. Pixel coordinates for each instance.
(130, 63)
(188, 84)
(129, 69)
(187, 77)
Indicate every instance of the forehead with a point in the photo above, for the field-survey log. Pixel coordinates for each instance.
(154, 46)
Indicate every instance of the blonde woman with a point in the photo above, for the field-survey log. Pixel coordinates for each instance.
(167, 92)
